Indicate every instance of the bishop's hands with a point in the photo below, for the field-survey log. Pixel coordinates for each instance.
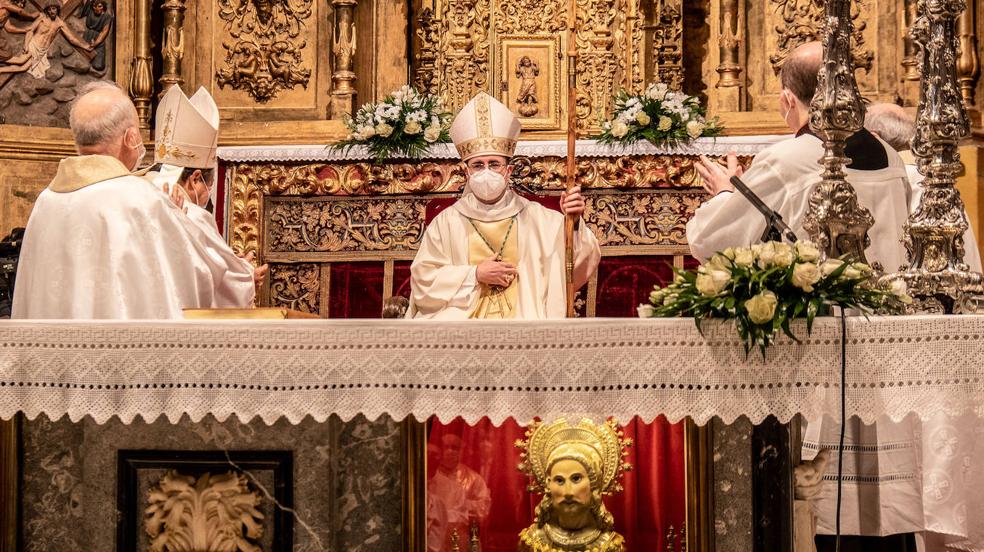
(572, 202)
(492, 272)
(717, 179)
(259, 272)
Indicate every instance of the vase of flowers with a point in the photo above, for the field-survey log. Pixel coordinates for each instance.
(765, 286)
(659, 115)
(406, 123)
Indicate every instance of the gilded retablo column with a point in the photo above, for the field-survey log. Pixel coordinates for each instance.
(141, 83)
(172, 51)
(343, 56)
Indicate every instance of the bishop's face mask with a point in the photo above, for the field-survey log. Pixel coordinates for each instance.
(487, 185)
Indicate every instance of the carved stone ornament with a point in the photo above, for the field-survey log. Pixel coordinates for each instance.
(264, 46)
(937, 277)
(211, 512)
(836, 222)
(803, 21)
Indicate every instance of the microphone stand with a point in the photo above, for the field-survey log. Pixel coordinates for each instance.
(775, 228)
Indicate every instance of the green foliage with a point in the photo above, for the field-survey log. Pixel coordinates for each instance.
(766, 286)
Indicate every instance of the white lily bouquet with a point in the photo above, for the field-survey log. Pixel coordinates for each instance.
(764, 287)
(660, 115)
(405, 122)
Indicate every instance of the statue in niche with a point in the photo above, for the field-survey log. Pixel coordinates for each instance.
(527, 71)
(39, 37)
(573, 466)
(98, 21)
(8, 8)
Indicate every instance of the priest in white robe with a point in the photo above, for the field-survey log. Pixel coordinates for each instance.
(892, 124)
(881, 489)
(103, 243)
(187, 137)
(494, 254)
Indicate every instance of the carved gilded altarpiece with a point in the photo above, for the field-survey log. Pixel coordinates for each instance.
(514, 50)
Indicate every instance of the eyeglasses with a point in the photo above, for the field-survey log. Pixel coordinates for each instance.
(477, 166)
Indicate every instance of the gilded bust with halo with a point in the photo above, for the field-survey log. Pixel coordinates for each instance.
(573, 466)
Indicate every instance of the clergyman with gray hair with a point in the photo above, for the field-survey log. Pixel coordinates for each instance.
(894, 125)
(102, 242)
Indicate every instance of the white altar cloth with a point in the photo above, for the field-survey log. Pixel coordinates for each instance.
(930, 365)
(720, 145)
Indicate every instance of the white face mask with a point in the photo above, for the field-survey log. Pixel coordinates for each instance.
(141, 152)
(487, 185)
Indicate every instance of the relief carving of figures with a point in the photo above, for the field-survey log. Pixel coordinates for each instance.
(38, 39)
(211, 512)
(264, 49)
(527, 71)
(47, 51)
(803, 20)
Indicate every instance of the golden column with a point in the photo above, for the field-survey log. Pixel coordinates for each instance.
(910, 61)
(732, 33)
(173, 50)
(343, 56)
(968, 66)
(141, 69)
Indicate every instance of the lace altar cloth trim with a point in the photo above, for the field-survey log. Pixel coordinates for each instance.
(742, 145)
(596, 367)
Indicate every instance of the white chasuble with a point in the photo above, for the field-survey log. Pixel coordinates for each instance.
(784, 176)
(443, 282)
(101, 243)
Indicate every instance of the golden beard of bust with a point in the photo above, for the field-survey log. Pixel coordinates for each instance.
(551, 538)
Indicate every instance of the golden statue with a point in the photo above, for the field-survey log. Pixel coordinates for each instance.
(574, 466)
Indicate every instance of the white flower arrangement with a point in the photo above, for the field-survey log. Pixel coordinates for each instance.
(660, 115)
(765, 286)
(405, 122)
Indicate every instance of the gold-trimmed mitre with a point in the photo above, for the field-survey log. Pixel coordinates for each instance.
(187, 129)
(599, 447)
(485, 126)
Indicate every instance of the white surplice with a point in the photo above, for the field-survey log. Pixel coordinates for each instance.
(443, 282)
(881, 480)
(101, 243)
(784, 176)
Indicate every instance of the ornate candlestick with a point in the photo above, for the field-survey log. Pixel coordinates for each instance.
(938, 278)
(836, 222)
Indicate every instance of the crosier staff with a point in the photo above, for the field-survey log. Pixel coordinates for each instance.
(570, 222)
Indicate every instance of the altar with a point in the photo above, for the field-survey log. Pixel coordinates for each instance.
(286, 401)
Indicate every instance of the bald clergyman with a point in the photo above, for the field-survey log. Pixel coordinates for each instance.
(102, 243)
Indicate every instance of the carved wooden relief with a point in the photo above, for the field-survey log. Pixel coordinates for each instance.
(265, 46)
(47, 55)
(295, 286)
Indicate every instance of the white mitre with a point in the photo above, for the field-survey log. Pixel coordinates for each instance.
(485, 127)
(187, 130)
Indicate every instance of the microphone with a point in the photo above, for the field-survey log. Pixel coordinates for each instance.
(775, 228)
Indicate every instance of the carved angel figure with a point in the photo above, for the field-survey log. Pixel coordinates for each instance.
(527, 71)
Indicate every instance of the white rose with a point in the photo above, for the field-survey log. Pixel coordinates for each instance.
(665, 123)
(412, 127)
(642, 118)
(807, 251)
(784, 255)
(432, 133)
(829, 266)
(646, 311)
(744, 257)
(762, 307)
(864, 269)
(384, 130)
(852, 273)
(670, 299)
(766, 254)
(712, 282)
(805, 275)
(367, 132)
(695, 129)
(656, 296)
(901, 291)
(719, 261)
(619, 129)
